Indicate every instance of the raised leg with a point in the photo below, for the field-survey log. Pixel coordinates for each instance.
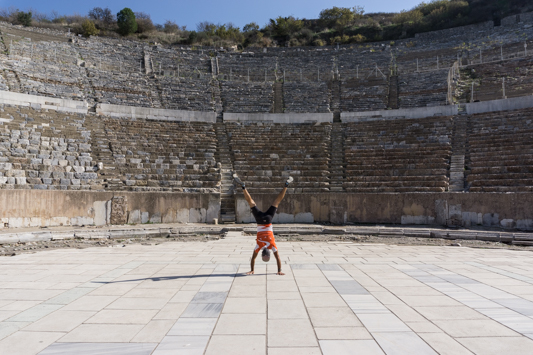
(248, 198)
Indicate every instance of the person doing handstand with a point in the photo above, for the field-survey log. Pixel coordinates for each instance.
(265, 235)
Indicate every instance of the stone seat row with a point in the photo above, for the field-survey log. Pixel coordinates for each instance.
(502, 169)
(384, 189)
(401, 178)
(395, 183)
(387, 164)
(501, 188)
(393, 172)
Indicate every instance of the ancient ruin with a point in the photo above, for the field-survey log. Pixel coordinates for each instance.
(438, 129)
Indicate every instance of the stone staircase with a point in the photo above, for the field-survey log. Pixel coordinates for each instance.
(336, 164)
(457, 164)
(278, 97)
(224, 157)
(393, 92)
(335, 100)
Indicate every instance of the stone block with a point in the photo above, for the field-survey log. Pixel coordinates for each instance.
(145, 217)
(64, 182)
(508, 223)
(169, 216)
(59, 221)
(119, 205)
(20, 180)
(100, 213)
(524, 224)
(134, 217)
(283, 218)
(304, 217)
(197, 215)
(16, 222)
(81, 221)
(441, 211)
(182, 215)
(155, 218)
(491, 219)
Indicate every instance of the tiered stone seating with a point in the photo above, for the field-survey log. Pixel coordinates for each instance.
(501, 152)
(398, 155)
(406, 59)
(52, 79)
(192, 63)
(112, 55)
(131, 89)
(364, 94)
(45, 151)
(188, 94)
(236, 67)
(306, 97)
(360, 62)
(50, 52)
(156, 155)
(309, 66)
(489, 77)
(265, 154)
(423, 89)
(247, 97)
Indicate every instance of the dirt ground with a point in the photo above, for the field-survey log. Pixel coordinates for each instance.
(32, 247)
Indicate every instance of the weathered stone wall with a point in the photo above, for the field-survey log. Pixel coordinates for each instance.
(364, 94)
(306, 97)
(265, 154)
(501, 152)
(398, 155)
(247, 97)
(507, 210)
(31, 208)
(423, 89)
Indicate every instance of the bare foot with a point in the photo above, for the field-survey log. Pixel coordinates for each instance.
(250, 272)
(280, 273)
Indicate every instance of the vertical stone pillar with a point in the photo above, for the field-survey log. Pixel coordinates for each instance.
(119, 210)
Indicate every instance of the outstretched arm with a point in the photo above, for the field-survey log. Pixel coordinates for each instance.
(279, 263)
(252, 262)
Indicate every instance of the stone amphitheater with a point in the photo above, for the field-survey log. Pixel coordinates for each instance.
(432, 130)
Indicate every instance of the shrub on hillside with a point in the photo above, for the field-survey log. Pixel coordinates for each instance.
(126, 22)
(89, 29)
(24, 18)
(144, 22)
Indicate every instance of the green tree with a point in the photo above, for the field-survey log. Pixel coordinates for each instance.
(126, 22)
(283, 27)
(24, 18)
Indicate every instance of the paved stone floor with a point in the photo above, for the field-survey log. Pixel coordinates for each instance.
(336, 298)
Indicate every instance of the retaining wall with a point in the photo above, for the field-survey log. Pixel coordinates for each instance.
(515, 103)
(418, 112)
(507, 210)
(43, 102)
(155, 114)
(35, 208)
(280, 117)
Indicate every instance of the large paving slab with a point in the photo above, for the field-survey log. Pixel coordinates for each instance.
(335, 298)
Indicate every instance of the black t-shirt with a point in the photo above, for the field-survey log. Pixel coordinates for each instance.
(264, 217)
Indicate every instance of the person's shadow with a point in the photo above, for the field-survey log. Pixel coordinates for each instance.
(167, 278)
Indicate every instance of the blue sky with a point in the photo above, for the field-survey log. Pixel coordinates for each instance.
(189, 13)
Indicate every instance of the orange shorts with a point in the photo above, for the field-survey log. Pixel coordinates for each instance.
(265, 238)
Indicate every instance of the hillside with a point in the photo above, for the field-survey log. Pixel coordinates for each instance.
(334, 25)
